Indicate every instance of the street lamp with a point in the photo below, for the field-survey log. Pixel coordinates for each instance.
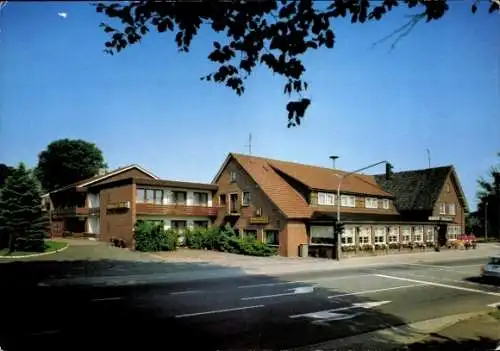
(388, 174)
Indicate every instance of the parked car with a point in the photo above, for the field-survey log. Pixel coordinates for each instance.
(491, 270)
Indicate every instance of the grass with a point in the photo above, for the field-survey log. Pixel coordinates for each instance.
(49, 247)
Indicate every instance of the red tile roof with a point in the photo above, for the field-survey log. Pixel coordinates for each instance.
(292, 204)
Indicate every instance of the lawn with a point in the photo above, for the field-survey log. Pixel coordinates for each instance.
(49, 247)
(496, 314)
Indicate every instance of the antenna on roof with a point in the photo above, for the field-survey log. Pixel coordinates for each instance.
(428, 157)
(333, 158)
(249, 145)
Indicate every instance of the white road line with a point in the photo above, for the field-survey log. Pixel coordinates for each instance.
(438, 285)
(107, 299)
(444, 268)
(186, 292)
(494, 305)
(375, 290)
(303, 281)
(218, 311)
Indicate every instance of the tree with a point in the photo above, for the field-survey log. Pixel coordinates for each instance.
(5, 171)
(23, 225)
(275, 33)
(68, 161)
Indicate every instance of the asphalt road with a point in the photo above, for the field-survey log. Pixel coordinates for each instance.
(239, 313)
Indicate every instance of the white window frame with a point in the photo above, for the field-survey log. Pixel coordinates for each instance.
(452, 210)
(365, 233)
(348, 236)
(326, 199)
(406, 234)
(429, 234)
(243, 202)
(232, 176)
(393, 233)
(386, 204)
(348, 200)
(371, 202)
(380, 234)
(442, 209)
(418, 233)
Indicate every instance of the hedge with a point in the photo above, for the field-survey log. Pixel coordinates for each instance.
(153, 237)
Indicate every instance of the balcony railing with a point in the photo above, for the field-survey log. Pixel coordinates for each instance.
(71, 211)
(176, 210)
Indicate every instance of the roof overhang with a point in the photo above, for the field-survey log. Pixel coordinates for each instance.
(222, 167)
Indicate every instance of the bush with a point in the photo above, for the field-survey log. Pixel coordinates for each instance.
(153, 237)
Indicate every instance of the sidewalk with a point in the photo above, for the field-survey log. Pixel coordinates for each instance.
(284, 265)
(463, 332)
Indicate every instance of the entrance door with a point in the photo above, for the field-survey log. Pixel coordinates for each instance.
(442, 234)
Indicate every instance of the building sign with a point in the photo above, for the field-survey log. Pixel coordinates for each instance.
(259, 220)
(441, 219)
(118, 205)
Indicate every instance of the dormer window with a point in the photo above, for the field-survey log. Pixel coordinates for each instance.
(371, 202)
(326, 199)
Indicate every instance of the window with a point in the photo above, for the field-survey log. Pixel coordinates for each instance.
(386, 203)
(419, 233)
(200, 224)
(371, 202)
(222, 200)
(158, 197)
(251, 233)
(442, 209)
(178, 225)
(451, 209)
(272, 237)
(150, 196)
(393, 234)
(180, 197)
(365, 235)
(348, 200)
(326, 199)
(200, 199)
(245, 199)
(379, 234)
(348, 235)
(140, 195)
(453, 231)
(232, 177)
(406, 234)
(448, 188)
(429, 236)
(322, 234)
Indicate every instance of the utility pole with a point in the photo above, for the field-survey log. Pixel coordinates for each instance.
(428, 157)
(249, 145)
(486, 220)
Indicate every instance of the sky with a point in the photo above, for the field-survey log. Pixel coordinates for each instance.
(438, 89)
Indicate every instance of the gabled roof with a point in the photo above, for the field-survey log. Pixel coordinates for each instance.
(267, 174)
(419, 189)
(156, 182)
(100, 178)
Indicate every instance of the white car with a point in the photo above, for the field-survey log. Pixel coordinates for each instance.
(492, 268)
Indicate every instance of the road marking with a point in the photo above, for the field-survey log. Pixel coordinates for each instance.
(495, 305)
(325, 316)
(107, 299)
(444, 268)
(218, 311)
(439, 285)
(303, 281)
(295, 291)
(186, 292)
(375, 290)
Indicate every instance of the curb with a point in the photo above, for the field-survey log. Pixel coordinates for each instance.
(37, 254)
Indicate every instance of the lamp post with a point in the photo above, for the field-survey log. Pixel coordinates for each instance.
(342, 177)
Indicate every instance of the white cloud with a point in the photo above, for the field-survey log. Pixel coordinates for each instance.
(62, 14)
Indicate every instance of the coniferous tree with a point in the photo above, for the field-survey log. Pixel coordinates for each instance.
(23, 225)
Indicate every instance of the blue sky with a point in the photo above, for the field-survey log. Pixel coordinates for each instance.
(438, 89)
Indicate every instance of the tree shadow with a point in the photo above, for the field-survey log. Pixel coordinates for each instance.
(131, 305)
(440, 342)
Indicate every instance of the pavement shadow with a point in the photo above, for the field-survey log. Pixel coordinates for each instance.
(158, 315)
(440, 342)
